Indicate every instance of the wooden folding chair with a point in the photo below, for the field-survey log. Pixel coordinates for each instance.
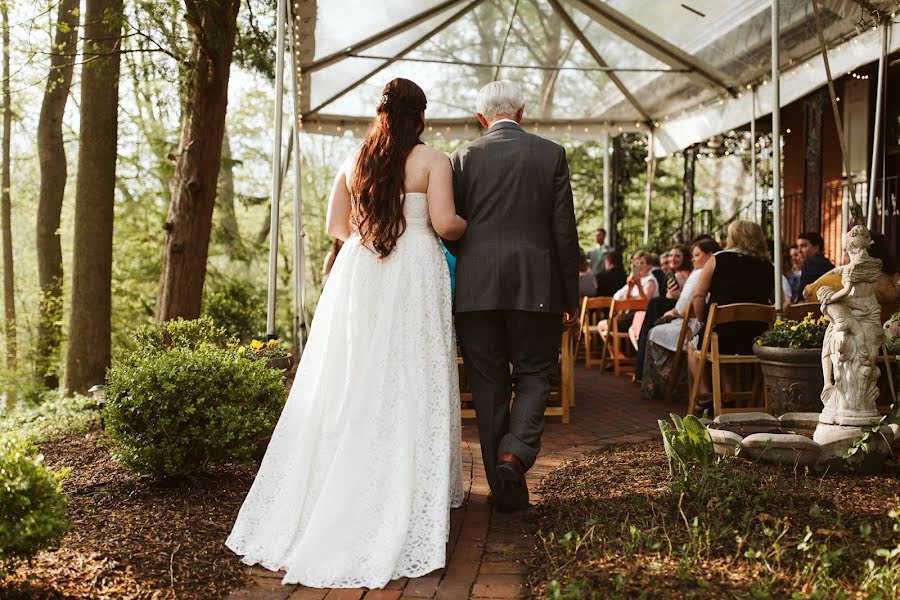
(684, 336)
(562, 396)
(613, 338)
(590, 311)
(709, 353)
(798, 311)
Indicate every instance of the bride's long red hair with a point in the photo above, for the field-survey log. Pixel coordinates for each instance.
(377, 184)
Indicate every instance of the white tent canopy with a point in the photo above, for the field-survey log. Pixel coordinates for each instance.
(680, 71)
(586, 66)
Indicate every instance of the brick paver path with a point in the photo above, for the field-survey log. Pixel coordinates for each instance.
(486, 548)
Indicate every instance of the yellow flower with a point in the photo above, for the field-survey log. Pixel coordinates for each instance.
(822, 321)
(231, 345)
(794, 328)
(779, 322)
(759, 342)
(241, 350)
(256, 345)
(272, 343)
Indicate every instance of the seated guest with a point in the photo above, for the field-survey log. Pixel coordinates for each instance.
(659, 266)
(677, 275)
(587, 282)
(740, 273)
(640, 284)
(679, 270)
(786, 289)
(796, 265)
(662, 337)
(885, 287)
(815, 264)
(613, 276)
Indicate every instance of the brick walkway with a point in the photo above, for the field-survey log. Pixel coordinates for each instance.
(486, 547)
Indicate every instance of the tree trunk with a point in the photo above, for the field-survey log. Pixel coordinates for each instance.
(88, 352)
(9, 295)
(199, 156)
(230, 233)
(52, 156)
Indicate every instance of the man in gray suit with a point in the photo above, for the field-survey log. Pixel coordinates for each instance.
(516, 282)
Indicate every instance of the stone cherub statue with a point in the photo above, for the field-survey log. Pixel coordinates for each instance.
(853, 337)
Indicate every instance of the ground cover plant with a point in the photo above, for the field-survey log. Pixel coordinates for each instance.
(614, 524)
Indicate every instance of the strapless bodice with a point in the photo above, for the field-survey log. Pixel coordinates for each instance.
(415, 209)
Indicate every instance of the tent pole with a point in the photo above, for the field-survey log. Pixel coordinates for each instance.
(298, 296)
(651, 172)
(876, 135)
(607, 196)
(753, 151)
(276, 170)
(776, 154)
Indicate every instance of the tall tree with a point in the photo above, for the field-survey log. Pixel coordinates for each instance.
(88, 352)
(52, 157)
(9, 295)
(198, 159)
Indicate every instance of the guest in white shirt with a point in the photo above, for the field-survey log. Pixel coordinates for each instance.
(640, 284)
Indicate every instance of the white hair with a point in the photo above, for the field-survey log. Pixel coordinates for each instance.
(499, 97)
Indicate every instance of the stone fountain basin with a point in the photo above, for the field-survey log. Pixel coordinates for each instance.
(788, 439)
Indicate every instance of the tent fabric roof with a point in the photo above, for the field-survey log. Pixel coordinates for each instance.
(586, 66)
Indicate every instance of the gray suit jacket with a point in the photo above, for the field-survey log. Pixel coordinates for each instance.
(520, 250)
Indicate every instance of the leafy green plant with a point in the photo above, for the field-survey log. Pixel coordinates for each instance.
(808, 333)
(688, 446)
(55, 417)
(32, 504)
(176, 411)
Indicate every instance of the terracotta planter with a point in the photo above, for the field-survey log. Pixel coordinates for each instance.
(794, 378)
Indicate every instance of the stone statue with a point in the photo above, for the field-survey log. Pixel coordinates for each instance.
(853, 338)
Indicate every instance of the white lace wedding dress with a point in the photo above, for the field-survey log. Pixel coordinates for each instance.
(364, 465)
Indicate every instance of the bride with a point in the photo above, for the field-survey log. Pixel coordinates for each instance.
(364, 465)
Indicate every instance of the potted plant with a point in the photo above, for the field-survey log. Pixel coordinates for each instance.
(790, 355)
(271, 352)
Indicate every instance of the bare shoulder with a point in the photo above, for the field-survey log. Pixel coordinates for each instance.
(428, 155)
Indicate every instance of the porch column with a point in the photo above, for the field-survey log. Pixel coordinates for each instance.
(813, 110)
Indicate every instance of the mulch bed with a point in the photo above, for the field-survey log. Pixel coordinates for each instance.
(635, 540)
(135, 537)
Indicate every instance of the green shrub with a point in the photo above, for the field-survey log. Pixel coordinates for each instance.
(32, 505)
(239, 308)
(54, 418)
(180, 333)
(177, 410)
(688, 446)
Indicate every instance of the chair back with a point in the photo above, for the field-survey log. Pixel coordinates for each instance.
(624, 305)
(741, 312)
(798, 311)
(589, 303)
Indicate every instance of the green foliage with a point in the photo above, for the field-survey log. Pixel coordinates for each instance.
(689, 448)
(177, 410)
(51, 419)
(32, 505)
(179, 334)
(808, 333)
(238, 307)
(260, 351)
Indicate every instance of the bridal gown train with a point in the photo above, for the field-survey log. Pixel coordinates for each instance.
(364, 465)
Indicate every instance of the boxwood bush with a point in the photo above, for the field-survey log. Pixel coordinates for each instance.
(32, 504)
(176, 408)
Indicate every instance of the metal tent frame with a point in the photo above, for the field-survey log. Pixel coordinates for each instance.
(293, 20)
